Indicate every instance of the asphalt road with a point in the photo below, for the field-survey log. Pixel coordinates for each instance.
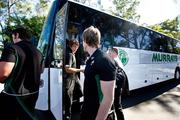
(158, 102)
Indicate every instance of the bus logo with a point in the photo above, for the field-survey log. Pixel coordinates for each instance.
(123, 56)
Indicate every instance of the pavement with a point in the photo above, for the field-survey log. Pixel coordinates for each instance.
(165, 106)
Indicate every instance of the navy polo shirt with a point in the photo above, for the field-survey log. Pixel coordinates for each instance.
(98, 67)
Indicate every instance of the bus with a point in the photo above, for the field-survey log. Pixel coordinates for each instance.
(1, 48)
(148, 57)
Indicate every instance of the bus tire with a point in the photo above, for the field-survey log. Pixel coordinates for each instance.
(177, 74)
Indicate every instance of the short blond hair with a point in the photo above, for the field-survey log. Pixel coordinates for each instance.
(92, 36)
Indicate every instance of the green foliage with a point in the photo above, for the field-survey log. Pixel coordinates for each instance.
(22, 12)
(127, 9)
(169, 27)
(2, 4)
(123, 8)
(34, 23)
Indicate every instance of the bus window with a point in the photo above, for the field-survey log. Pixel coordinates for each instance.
(144, 39)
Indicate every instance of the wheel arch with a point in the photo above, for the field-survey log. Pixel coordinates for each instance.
(177, 73)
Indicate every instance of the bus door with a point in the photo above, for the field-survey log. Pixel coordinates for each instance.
(52, 45)
(1, 85)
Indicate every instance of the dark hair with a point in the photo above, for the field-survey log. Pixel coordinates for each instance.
(23, 32)
(92, 36)
(115, 50)
(72, 42)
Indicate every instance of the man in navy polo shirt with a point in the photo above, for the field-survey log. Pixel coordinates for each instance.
(99, 80)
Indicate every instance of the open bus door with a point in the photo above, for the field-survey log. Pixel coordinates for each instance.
(52, 45)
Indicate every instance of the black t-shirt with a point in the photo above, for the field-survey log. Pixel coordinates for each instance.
(25, 76)
(98, 67)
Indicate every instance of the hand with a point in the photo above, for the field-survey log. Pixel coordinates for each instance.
(81, 70)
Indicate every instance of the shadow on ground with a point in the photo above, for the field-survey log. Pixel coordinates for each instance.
(141, 95)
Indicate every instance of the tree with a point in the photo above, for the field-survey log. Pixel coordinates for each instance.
(123, 8)
(22, 12)
(169, 27)
(126, 9)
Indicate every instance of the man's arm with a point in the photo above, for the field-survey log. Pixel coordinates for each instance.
(107, 88)
(68, 68)
(72, 70)
(5, 70)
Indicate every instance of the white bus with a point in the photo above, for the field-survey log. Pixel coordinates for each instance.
(148, 57)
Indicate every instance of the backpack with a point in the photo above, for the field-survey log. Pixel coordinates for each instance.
(120, 77)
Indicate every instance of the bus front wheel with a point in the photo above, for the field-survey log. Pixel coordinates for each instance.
(177, 74)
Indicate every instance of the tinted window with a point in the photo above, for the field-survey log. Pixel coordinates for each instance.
(118, 32)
